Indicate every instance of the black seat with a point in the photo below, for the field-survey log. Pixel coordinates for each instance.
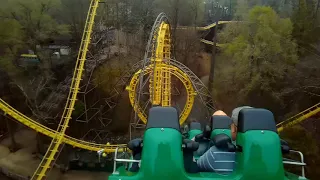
(189, 147)
(135, 146)
(204, 141)
(223, 142)
(205, 135)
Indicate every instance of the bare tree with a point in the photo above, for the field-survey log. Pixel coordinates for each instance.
(32, 90)
(11, 129)
(195, 5)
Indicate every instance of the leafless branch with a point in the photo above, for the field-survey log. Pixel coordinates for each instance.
(311, 93)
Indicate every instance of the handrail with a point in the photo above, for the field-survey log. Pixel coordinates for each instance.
(302, 163)
(120, 160)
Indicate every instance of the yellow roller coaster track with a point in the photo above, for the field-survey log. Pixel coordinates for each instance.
(160, 81)
(211, 26)
(55, 146)
(208, 26)
(175, 72)
(51, 133)
(211, 43)
(299, 117)
(160, 84)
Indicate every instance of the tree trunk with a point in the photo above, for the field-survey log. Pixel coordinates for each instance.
(213, 58)
(317, 8)
(175, 24)
(39, 143)
(39, 140)
(11, 130)
(196, 7)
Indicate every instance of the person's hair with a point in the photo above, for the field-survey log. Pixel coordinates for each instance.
(235, 114)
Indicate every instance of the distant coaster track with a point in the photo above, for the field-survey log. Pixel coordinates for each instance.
(303, 115)
(56, 144)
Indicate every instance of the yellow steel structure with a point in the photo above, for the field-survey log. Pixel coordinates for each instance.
(55, 145)
(160, 81)
(184, 78)
(160, 84)
(208, 26)
(164, 52)
(214, 24)
(212, 43)
(52, 133)
(299, 117)
(29, 56)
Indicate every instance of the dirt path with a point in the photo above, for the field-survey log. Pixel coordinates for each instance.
(24, 163)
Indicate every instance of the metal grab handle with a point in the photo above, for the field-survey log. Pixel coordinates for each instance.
(302, 163)
(121, 160)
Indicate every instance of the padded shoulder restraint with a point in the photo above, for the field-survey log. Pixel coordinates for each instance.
(220, 122)
(195, 126)
(256, 119)
(163, 117)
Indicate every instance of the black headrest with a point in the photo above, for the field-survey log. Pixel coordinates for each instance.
(190, 145)
(223, 142)
(195, 125)
(220, 122)
(163, 117)
(256, 119)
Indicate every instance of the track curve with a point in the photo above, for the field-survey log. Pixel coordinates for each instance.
(7, 109)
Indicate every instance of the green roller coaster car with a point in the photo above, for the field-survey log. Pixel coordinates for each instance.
(165, 151)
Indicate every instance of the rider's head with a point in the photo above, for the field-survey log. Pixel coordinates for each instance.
(219, 113)
(234, 117)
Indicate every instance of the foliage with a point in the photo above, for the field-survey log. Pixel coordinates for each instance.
(79, 108)
(141, 15)
(10, 42)
(36, 19)
(255, 47)
(182, 12)
(305, 29)
(73, 13)
(32, 23)
(106, 77)
(10, 32)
